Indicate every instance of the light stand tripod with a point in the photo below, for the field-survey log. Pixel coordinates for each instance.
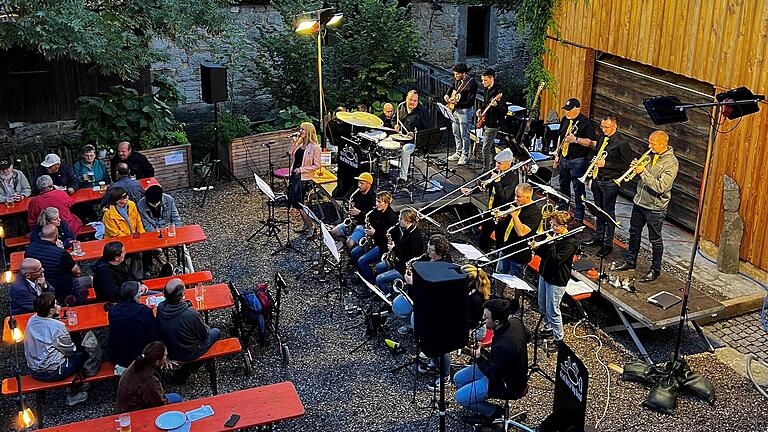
(216, 168)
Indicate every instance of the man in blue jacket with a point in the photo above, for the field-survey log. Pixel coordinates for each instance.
(131, 325)
(28, 287)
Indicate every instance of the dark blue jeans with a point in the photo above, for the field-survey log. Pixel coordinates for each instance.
(71, 365)
(569, 172)
(605, 193)
(655, 221)
(364, 261)
(214, 334)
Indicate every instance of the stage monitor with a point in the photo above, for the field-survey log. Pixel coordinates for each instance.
(662, 110)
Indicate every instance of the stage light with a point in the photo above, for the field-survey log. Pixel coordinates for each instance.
(16, 334)
(26, 418)
(335, 19)
(307, 26)
(2, 232)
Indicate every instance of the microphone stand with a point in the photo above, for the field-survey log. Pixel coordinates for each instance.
(599, 213)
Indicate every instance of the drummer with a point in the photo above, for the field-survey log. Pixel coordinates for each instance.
(388, 116)
(411, 118)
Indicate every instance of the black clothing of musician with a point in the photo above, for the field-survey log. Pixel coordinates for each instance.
(495, 114)
(381, 222)
(507, 367)
(605, 190)
(584, 129)
(500, 193)
(363, 202)
(408, 244)
(389, 122)
(418, 119)
(530, 216)
(557, 260)
(618, 158)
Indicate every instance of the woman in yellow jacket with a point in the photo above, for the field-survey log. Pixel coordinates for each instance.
(121, 218)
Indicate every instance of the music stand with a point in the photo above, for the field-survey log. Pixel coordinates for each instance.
(270, 223)
(599, 213)
(426, 141)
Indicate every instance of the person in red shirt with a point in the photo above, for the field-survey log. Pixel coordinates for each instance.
(51, 197)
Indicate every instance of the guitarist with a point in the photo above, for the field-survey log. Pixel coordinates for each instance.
(490, 118)
(460, 99)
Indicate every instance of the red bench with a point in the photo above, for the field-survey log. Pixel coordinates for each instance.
(157, 284)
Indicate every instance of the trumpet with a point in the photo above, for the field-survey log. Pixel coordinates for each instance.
(644, 160)
(367, 242)
(591, 171)
(495, 214)
(388, 257)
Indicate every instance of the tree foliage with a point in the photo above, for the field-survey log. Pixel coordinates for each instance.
(115, 35)
(373, 48)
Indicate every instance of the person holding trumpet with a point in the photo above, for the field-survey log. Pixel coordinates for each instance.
(654, 190)
(613, 159)
(377, 221)
(554, 274)
(516, 226)
(500, 191)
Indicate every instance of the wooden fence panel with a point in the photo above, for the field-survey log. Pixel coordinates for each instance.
(173, 165)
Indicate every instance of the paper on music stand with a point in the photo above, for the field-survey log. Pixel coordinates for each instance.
(328, 240)
(311, 214)
(598, 212)
(513, 281)
(470, 252)
(445, 111)
(575, 288)
(549, 190)
(264, 187)
(514, 108)
(375, 289)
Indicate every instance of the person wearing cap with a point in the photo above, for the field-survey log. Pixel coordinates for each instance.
(63, 175)
(182, 328)
(90, 170)
(158, 210)
(412, 117)
(304, 157)
(132, 325)
(138, 164)
(124, 180)
(465, 88)
(362, 200)
(14, 185)
(577, 140)
(52, 197)
(496, 105)
(501, 191)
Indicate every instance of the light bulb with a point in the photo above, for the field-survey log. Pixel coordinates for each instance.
(26, 418)
(17, 335)
(8, 276)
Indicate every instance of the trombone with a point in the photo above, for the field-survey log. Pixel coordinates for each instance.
(495, 213)
(644, 160)
(495, 174)
(546, 233)
(549, 239)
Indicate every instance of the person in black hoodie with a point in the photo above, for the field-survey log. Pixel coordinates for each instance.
(182, 328)
(554, 273)
(109, 273)
(131, 325)
(379, 220)
(407, 242)
(504, 375)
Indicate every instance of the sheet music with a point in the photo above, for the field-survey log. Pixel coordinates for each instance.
(575, 288)
(311, 214)
(374, 289)
(470, 252)
(264, 187)
(444, 111)
(513, 281)
(328, 240)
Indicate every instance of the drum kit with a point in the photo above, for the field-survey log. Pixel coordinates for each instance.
(377, 140)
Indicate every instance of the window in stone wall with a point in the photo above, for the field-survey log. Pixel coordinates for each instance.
(478, 30)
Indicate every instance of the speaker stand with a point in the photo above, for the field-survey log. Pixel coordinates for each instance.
(216, 169)
(534, 367)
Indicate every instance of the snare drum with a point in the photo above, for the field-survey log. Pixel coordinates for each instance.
(389, 149)
(400, 137)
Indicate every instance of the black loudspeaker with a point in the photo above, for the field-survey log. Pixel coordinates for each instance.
(213, 82)
(662, 110)
(439, 307)
(739, 94)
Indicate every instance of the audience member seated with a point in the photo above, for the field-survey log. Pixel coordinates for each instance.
(63, 175)
(89, 170)
(140, 386)
(124, 180)
(504, 376)
(121, 218)
(158, 209)
(182, 328)
(50, 353)
(51, 216)
(14, 185)
(138, 164)
(132, 325)
(29, 286)
(110, 272)
(61, 270)
(51, 197)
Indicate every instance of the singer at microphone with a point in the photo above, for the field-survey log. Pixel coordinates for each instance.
(304, 158)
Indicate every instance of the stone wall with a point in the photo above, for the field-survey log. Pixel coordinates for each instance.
(20, 138)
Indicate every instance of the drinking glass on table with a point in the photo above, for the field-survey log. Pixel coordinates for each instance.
(76, 250)
(199, 294)
(124, 421)
(72, 317)
(172, 230)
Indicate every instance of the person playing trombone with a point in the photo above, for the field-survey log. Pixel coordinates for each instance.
(500, 192)
(654, 190)
(617, 157)
(377, 221)
(517, 226)
(554, 274)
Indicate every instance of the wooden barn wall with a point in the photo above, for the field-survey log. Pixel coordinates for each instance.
(720, 42)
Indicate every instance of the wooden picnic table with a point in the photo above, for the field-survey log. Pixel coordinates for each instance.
(143, 242)
(259, 406)
(78, 196)
(93, 316)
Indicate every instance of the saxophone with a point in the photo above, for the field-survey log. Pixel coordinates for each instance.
(367, 242)
(400, 283)
(574, 129)
(388, 257)
(349, 224)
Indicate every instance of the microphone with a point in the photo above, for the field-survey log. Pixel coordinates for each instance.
(294, 135)
(267, 144)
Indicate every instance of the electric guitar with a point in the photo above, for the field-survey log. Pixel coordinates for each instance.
(481, 119)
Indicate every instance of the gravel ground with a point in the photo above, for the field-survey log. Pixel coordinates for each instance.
(354, 392)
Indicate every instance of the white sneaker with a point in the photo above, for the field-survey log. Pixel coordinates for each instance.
(404, 330)
(432, 386)
(454, 157)
(463, 160)
(77, 398)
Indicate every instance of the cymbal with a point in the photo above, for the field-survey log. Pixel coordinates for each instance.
(383, 128)
(401, 137)
(361, 119)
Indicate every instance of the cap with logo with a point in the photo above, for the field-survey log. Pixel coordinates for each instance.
(366, 177)
(571, 104)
